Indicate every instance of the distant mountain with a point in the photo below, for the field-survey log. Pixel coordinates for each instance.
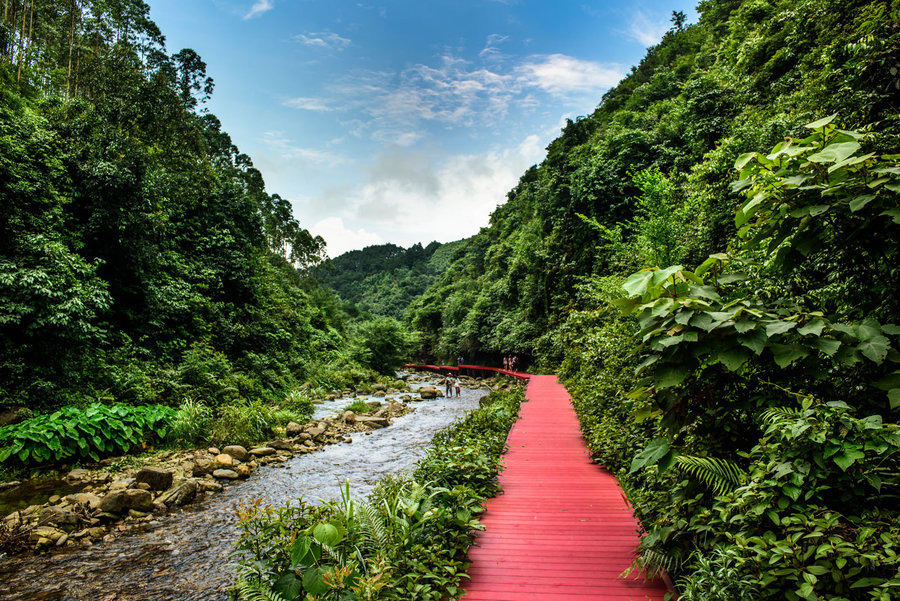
(384, 279)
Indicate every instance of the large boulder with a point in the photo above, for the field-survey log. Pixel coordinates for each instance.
(315, 431)
(236, 451)
(292, 429)
(180, 494)
(429, 392)
(280, 445)
(202, 465)
(224, 461)
(138, 499)
(156, 478)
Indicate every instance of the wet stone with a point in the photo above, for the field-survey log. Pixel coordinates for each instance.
(156, 478)
(262, 451)
(236, 451)
(226, 474)
(224, 461)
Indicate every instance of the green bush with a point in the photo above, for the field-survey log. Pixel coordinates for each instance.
(78, 434)
(243, 424)
(300, 404)
(407, 541)
(358, 406)
(190, 424)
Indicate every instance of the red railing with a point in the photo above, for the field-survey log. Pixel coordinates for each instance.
(469, 370)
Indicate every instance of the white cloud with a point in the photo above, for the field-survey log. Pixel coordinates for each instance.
(563, 75)
(646, 30)
(491, 52)
(412, 196)
(259, 7)
(309, 104)
(339, 238)
(288, 151)
(323, 39)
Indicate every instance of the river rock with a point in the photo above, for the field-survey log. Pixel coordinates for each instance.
(372, 421)
(180, 494)
(202, 466)
(315, 431)
(224, 461)
(262, 451)
(349, 417)
(236, 451)
(156, 478)
(136, 498)
(6, 485)
(226, 474)
(210, 486)
(85, 499)
(140, 486)
(213, 451)
(292, 429)
(304, 436)
(430, 392)
(243, 470)
(280, 445)
(54, 516)
(44, 536)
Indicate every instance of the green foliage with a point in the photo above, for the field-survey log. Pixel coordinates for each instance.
(189, 425)
(79, 434)
(243, 424)
(358, 406)
(382, 344)
(404, 542)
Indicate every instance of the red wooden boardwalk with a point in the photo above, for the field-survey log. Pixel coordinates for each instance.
(561, 529)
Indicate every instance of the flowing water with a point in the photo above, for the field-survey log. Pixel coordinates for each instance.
(184, 556)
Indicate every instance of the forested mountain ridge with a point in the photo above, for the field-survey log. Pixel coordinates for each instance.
(141, 258)
(384, 279)
(709, 262)
(743, 77)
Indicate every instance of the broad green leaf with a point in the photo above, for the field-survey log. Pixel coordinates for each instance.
(661, 275)
(755, 341)
(779, 327)
(834, 153)
(813, 327)
(875, 349)
(327, 534)
(734, 358)
(313, 581)
(894, 397)
(636, 284)
(847, 458)
(821, 122)
(861, 201)
(288, 586)
(653, 452)
(829, 346)
(792, 491)
(668, 377)
(742, 160)
(867, 582)
(785, 354)
(744, 326)
(300, 551)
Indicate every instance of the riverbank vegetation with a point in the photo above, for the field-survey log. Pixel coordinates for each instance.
(407, 540)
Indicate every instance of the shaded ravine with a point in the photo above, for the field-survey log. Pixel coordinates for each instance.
(184, 556)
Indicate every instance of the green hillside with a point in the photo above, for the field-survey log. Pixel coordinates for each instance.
(384, 279)
(709, 261)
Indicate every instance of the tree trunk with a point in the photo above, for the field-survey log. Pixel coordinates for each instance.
(71, 45)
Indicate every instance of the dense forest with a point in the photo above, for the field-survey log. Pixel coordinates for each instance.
(142, 261)
(384, 279)
(709, 260)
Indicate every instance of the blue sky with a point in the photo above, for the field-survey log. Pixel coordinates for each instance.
(405, 121)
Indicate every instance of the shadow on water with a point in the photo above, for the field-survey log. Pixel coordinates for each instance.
(184, 556)
(36, 492)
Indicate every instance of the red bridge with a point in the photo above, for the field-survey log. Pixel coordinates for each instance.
(562, 528)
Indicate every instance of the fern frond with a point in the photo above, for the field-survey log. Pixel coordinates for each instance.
(651, 563)
(374, 533)
(721, 475)
(256, 591)
(774, 415)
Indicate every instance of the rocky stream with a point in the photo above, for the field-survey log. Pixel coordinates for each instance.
(184, 554)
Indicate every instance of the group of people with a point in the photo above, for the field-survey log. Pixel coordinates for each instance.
(449, 384)
(510, 362)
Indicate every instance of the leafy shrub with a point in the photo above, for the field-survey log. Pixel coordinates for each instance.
(243, 424)
(300, 403)
(382, 344)
(74, 433)
(358, 406)
(407, 541)
(190, 424)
